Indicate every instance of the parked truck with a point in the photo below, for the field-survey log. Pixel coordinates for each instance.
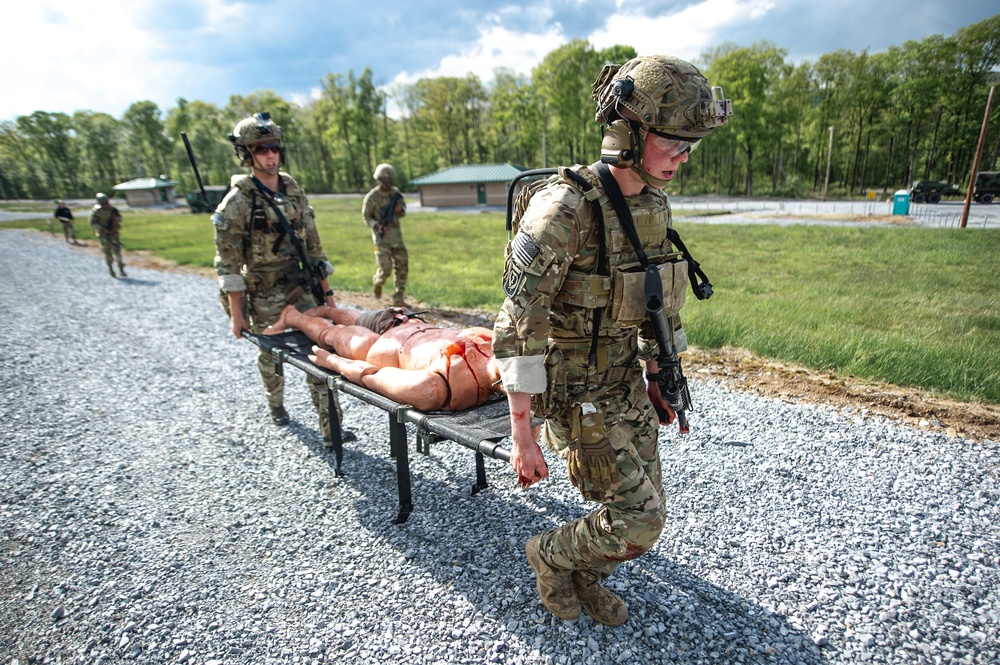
(931, 191)
(986, 189)
(197, 202)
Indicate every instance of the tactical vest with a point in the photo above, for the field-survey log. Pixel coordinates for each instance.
(615, 286)
(264, 238)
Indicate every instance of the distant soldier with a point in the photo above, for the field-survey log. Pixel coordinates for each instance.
(253, 261)
(382, 209)
(65, 217)
(106, 222)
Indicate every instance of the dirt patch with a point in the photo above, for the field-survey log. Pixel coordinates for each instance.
(739, 370)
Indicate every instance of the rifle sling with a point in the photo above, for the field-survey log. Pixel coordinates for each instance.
(286, 228)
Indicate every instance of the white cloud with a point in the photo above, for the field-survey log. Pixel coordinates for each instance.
(497, 47)
(77, 56)
(685, 34)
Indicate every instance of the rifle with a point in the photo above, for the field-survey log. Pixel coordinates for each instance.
(388, 212)
(670, 377)
(194, 165)
(306, 274)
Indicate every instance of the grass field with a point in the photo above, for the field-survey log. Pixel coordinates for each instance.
(911, 306)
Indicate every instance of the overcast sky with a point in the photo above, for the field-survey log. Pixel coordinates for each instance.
(103, 55)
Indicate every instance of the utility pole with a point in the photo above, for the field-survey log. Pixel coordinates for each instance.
(975, 159)
(829, 160)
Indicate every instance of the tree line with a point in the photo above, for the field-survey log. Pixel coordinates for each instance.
(912, 112)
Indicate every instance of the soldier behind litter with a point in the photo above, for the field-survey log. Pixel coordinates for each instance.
(571, 344)
(254, 260)
(382, 209)
(65, 217)
(106, 222)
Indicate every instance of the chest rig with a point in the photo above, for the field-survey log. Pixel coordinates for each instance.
(613, 287)
(267, 231)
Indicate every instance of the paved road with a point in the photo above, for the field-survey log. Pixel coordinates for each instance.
(946, 214)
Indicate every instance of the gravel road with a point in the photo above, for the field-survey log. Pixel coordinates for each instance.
(151, 513)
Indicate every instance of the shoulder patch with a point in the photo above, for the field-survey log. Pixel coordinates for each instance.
(219, 221)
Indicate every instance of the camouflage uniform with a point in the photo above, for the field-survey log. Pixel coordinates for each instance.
(543, 338)
(106, 222)
(246, 228)
(390, 252)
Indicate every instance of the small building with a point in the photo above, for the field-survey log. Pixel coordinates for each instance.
(467, 185)
(146, 192)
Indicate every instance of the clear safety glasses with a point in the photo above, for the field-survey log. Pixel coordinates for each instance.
(673, 146)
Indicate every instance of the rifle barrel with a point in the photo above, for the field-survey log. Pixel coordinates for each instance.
(194, 165)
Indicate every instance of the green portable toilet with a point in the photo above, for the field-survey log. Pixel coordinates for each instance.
(901, 202)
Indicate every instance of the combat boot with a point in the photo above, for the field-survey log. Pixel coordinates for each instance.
(555, 585)
(397, 299)
(279, 416)
(377, 290)
(121, 269)
(111, 271)
(599, 603)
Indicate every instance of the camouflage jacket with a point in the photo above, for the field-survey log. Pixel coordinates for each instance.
(371, 210)
(105, 221)
(246, 228)
(552, 279)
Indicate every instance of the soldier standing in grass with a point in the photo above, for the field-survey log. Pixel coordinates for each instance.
(106, 222)
(252, 257)
(568, 337)
(65, 217)
(382, 209)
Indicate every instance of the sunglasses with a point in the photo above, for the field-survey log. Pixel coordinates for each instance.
(264, 148)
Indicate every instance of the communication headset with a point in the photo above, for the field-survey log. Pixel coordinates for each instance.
(620, 146)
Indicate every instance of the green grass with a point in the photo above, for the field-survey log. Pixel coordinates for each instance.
(911, 306)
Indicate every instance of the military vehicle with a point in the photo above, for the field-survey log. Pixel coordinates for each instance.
(931, 191)
(987, 187)
(197, 202)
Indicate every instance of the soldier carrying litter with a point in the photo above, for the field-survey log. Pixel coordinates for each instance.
(573, 335)
(265, 240)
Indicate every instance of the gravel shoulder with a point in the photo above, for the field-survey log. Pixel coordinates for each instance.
(149, 512)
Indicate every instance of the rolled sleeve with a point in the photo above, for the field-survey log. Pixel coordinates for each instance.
(523, 374)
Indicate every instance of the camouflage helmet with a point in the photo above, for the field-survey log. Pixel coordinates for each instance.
(661, 93)
(384, 170)
(102, 198)
(248, 132)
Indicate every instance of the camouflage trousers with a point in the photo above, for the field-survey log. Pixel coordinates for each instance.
(68, 231)
(389, 258)
(263, 309)
(111, 245)
(632, 514)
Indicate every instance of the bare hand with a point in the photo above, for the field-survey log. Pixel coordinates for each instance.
(528, 463)
(659, 404)
(238, 325)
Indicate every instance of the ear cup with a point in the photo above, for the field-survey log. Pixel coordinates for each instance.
(619, 147)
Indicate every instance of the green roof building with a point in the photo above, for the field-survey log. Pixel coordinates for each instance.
(467, 185)
(145, 192)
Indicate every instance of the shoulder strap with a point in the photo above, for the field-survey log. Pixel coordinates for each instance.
(700, 285)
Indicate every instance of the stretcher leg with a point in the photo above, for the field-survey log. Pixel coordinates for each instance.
(398, 449)
(481, 483)
(335, 429)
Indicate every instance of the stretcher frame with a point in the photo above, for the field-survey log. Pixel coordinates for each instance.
(480, 429)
